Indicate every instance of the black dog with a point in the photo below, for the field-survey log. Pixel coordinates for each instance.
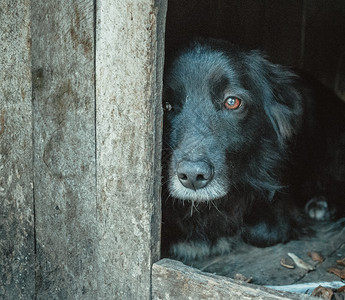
(247, 146)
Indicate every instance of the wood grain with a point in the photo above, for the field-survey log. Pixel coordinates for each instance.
(16, 196)
(129, 64)
(64, 149)
(174, 280)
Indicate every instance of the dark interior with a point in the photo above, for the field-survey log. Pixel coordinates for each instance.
(307, 35)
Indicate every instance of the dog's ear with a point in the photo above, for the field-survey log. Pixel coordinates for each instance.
(281, 96)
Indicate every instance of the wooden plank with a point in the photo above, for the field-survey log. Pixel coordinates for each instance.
(174, 280)
(16, 196)
(129, 63)
(64, 148)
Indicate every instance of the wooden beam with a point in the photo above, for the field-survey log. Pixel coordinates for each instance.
(129, 64)
(17, 253)
(174, 280)
(64, 149)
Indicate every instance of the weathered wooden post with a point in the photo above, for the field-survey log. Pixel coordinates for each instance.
(64, 149)
(97, 75)
(17, 270)
(129, 64)
(85, 131)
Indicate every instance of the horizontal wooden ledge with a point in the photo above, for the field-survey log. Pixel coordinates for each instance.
(173, 280)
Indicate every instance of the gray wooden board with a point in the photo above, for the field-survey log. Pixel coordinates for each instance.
(64, 149)
(129, 64)
(263, 264)
(17, 270)
(174, 280)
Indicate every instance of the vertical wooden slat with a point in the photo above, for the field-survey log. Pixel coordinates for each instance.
(129, 63)
(16, 195)
(64, 147)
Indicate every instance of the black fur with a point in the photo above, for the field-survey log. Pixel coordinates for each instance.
(248, 171)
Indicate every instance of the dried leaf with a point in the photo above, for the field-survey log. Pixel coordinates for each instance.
(322, 292)
(338, 272)
(287, 263)
(341, 262)
(315, 256)
(241, 277)
(300, 263)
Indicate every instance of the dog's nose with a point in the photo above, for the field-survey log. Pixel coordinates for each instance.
(194, 174)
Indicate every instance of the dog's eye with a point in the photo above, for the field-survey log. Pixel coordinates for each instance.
(167, 106)
(232, 103)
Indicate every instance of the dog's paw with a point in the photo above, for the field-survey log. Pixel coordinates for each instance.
(187, 251)
(193, 250)
(317, 209)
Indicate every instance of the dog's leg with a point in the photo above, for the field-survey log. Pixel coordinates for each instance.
(317, 209)
(270, 224)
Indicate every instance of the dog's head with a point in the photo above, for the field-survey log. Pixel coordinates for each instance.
(227, 112)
